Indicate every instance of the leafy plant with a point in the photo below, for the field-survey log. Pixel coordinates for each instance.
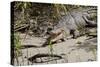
(17, 42)
(17, 47)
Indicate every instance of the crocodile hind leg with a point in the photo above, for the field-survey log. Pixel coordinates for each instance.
(74, 33)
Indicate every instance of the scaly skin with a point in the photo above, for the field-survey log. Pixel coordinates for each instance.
(71, 24)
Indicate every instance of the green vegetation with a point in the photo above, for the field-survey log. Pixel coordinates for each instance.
(17, 44)
(17, 47)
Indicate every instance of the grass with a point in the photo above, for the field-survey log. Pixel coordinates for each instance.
(50, 47)
(17, 46)
(17, 42)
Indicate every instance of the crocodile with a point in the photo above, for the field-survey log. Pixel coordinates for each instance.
(74, 23)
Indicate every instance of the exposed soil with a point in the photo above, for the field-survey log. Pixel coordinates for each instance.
(71, 50)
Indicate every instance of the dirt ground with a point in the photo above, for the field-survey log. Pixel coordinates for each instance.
(69, 51)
